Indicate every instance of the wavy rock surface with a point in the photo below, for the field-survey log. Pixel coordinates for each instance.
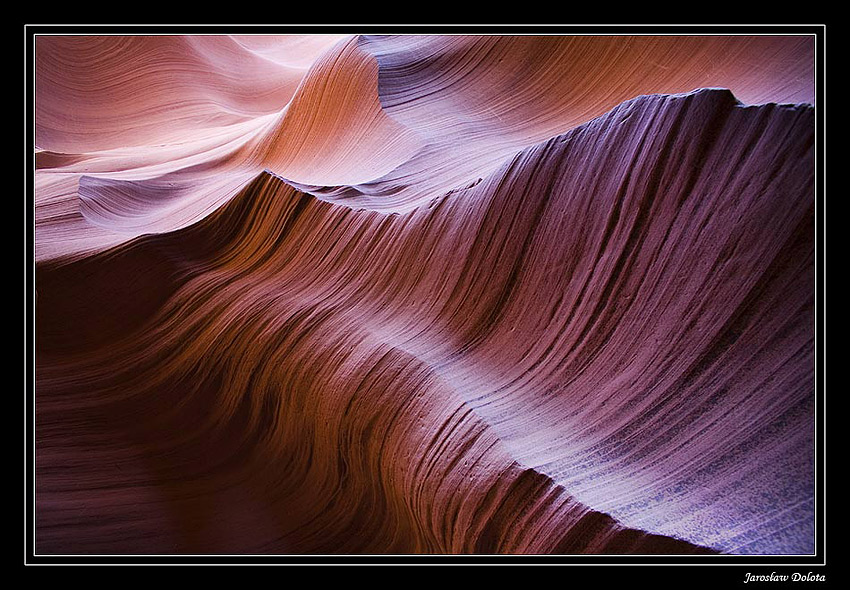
(425, 295)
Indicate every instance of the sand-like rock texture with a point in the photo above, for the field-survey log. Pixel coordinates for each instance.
(346, 294)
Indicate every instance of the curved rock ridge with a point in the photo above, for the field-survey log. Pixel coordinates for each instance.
(476, 100)
(107, 92)
(290, 424)
(148, 134)
(198, 118)
(605, 345)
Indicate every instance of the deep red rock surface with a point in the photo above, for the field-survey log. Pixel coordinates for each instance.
(418, 296)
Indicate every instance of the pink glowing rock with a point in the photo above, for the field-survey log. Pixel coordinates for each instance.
(382, 295)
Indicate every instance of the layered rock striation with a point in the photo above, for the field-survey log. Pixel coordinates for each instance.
(346, 327)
